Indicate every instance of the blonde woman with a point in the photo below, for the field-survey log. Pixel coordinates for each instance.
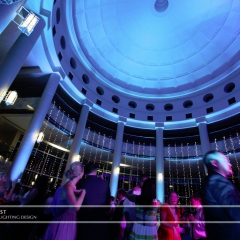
(64, 226)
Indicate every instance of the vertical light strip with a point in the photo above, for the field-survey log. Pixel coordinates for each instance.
(138, 156)
(190, 169)
(234, 151)
(60, 164)
(150, 160)
(109, 147)
(90, 153)
(86, 143)
(68, 141)
(46, 167)
(199, 174)
(226, 149)
(176, 160)
(169, 165)
(96, 152)
(54, 142)
(100, 158)
(143, 149)
(216, 145)
(45, 150)
(125, 163)
(184, 177)
(130, 177)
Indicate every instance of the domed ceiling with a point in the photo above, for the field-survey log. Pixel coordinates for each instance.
(146, 62)
(134, 48)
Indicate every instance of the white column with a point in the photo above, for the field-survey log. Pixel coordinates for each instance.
(159, 164)
(14, 59)
(76, 144)
(32, 132)
(205, 143)
(116, 159)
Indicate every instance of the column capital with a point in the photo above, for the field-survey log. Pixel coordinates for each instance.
(122, 119)
(201, 120)
(159, 125)
(88, 103)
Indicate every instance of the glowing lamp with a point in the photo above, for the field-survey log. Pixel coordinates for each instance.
(117, 170)
(40, 137)
(78, 158)
(26, 20)
(160, 176)
(10, 97)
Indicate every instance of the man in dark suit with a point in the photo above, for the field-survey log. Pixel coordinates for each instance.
(97, 193)
(219, 192)
(117, 232)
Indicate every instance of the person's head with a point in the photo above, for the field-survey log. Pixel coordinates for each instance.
(90, 169)
(141, 179)
(3, 177)
(76, 169)
(196, 200)
(121, 193)
(172, 198)
(148, 192)
(218, 162)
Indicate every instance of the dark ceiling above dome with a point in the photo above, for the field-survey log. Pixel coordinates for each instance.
(135, 49)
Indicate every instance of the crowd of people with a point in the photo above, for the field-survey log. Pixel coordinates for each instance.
(82, 208)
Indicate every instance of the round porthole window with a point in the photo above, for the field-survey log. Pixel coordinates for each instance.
(168, 107)
(208, 97)
(63, 42)
(187, 104)
(58, 15)
(73, 63)
(100, 90)
(115, 99)
(229, 87)
(150, 107)
(132, 104)
(85, 78)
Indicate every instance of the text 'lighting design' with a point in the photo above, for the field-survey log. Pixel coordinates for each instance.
(40, 137)
(9, 97)
(26, 20)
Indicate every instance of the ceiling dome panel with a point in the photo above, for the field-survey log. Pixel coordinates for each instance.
(137, 50)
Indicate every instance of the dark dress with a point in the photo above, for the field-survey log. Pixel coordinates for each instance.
(219, 191)
(63, 226)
